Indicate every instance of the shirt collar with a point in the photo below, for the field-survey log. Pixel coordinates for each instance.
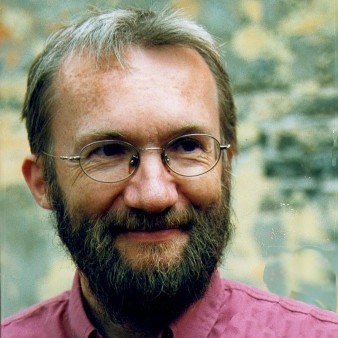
(200, 317)
(79, 321)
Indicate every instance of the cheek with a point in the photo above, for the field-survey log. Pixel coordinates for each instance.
(94, 198)
(203, 191)
(85, 195)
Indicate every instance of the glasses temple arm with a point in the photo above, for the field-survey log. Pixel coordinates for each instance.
(225, 146)
(65, 158)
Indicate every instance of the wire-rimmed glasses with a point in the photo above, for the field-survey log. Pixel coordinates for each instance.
(111, 161)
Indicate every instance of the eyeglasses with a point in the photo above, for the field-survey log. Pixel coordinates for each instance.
(111, 161)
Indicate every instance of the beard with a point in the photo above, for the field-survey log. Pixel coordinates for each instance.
(148, 297)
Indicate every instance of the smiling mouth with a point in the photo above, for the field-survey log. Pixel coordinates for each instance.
(153, 236)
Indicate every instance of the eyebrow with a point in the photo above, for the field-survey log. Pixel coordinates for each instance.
(188, 129)
(93, 136)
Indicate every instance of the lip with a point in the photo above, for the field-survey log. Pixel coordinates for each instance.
(153, 236)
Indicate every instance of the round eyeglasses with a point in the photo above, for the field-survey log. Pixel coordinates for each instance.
(111, 161)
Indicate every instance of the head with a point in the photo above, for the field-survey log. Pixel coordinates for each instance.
(107, 35)
(155, 239)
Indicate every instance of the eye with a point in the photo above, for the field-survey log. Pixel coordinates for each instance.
(186, 145)
(110, 149)
(105, 150)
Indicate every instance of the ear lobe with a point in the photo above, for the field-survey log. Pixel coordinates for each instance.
(33, 172)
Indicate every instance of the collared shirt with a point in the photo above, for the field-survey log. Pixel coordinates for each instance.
(228, 309)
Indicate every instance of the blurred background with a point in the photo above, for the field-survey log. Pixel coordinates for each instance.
(281, 57)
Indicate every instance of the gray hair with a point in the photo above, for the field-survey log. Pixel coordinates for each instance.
(106, 34)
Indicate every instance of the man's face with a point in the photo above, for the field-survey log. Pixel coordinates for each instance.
(155, 223)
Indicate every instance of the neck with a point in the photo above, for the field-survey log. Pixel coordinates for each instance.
(101, 320)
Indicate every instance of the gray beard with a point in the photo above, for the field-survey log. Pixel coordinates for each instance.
(150, 299)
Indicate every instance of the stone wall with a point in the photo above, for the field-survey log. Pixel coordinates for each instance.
(281, 58)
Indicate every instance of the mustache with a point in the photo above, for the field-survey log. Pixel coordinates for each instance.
(122, 221)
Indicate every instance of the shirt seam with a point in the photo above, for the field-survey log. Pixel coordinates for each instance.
(280, 301)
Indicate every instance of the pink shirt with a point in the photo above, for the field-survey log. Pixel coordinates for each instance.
(229, 309)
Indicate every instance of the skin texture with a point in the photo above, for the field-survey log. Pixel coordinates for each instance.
(164, 93)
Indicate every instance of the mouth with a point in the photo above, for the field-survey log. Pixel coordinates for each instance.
(153, 236)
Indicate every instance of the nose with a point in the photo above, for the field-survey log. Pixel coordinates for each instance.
(152, 188)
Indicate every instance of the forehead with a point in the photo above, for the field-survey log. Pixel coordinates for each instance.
(159, 88)
(83, 74)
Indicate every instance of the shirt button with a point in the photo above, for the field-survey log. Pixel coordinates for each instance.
(167, 333)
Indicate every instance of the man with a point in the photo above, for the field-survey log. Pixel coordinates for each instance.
(131, 124)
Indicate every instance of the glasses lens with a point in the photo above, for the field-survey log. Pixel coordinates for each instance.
(108, 161)
(192, 155)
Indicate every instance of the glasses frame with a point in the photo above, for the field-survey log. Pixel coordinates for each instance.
(138, 150)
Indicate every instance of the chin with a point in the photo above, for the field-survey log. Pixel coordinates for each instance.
(152, 255)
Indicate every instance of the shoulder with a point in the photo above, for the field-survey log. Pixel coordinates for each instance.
(251, 309)
(51, 313)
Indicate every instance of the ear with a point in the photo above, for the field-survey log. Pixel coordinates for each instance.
(32, 170)
(231, 152)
